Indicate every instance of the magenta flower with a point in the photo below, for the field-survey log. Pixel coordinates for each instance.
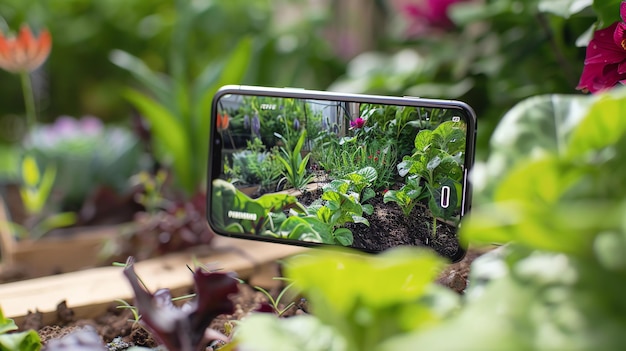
(357, 123)
(605, 61)
(425, 14)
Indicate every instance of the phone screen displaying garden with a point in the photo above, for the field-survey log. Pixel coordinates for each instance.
(367, 176)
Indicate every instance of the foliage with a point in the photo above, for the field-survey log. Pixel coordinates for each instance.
(438, 161)
(165, 225)
(17, 341)
(562, 209)
(361, 182)
(341, 205)
(295, 171)
(274, 115)
(255, 166)
(35, 192)
(265, 211)
(177, 110)
(282, 216)
(344, 292)
(408, 196)
(340, 159)
(183, 328)
(276, 305)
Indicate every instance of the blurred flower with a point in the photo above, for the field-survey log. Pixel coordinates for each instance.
(256, 125)
(357, 123)
(296, 124)
(425, 14)
(222, 121)
(246, 122)
(605, 61)
(24, 53)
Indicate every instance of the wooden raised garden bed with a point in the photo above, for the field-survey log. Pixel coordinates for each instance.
(90, 291)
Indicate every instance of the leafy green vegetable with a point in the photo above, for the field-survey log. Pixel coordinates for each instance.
(14, 341)
(364, 299)
(438, 161)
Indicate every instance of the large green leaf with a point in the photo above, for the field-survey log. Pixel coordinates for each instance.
(535, 127)
(344, 291)
(230, 71)
(266, 332)
(158, 84)
(602, 126)
(169, 132)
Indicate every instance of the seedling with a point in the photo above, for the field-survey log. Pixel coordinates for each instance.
(275, 303)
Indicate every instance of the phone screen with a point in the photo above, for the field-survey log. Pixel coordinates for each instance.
(314, 168)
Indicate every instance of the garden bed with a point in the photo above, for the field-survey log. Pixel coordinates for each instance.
(113, 323)
(89, 292)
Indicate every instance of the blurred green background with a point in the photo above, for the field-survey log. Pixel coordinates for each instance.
(492, 54)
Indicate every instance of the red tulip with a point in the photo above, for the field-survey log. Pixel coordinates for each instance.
(222, 121)
(24, 53)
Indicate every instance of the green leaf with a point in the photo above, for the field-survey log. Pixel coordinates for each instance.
(158, 85)
(30, 171)
(423, 140)
(343, 236)
(368, 193)
(601, 126)
(608, 12)
(24, 341)
(6, 324)
(564, 8)
(609, 247)
(369, 173)
(344, 289)
(265, 332)
(59, 220)
(230, 71)
(533, 128)
(368, 209)
(171, 134)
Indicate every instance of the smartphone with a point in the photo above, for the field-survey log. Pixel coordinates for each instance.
(318, 168)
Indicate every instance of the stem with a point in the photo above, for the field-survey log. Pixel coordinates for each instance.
(434, 227)
(29, 101)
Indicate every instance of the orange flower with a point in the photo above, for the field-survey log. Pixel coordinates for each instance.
(24, 53)
(222, 121)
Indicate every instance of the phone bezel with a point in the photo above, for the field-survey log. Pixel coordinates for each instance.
(215, 153)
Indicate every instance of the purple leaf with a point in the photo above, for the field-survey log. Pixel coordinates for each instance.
(183, 329)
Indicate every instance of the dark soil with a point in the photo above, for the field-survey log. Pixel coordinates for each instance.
(118, 324)
(389, 227)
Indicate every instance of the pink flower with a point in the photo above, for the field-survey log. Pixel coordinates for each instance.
(357, 123)
(605, 61)
(425, 14)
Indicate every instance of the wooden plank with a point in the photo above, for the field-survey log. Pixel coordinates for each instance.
(89, 292)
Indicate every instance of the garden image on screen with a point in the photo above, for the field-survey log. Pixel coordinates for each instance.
(367, 176)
